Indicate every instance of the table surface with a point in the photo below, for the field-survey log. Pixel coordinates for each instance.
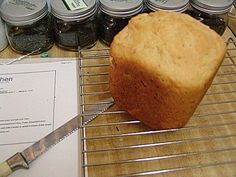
(117, 160)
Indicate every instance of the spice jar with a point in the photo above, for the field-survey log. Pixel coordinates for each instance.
(114, 16)
(213, 13)
(75, 28)
(28, 25)
(232, 18)
(168, 5)
(3, 39)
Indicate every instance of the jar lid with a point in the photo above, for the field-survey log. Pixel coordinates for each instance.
(121, 8)
(60, 10)
(169, 5)
(212, 6)
(23, 12)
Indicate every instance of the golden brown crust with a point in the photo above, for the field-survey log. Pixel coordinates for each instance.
(162, 64)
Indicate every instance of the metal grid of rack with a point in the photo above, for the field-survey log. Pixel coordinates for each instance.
(115, 144)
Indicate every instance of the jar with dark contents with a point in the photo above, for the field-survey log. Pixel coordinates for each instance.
(75, 28)
(3, 38)
(28, 25)
(213, 13)
(114, 16)
(167, 5)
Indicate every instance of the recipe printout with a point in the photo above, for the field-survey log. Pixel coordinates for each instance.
(22, 95)
(35, 99)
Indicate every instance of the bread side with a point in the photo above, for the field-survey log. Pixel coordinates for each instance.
(162, 64)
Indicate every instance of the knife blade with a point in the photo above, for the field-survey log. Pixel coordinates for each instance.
(24, 158)
(21, 160)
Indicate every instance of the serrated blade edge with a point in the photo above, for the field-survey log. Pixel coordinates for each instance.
(41, 146)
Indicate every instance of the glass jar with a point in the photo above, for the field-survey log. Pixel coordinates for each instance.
(28, 25)
(232, 19)
(3, 38)
(213, 13)
(75, 29)
(168, 5)
(114, 16)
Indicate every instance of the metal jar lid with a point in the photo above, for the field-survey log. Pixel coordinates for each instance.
(23, 12)
(212, 6)
(59, 10)
(121, 8)
(168, 5)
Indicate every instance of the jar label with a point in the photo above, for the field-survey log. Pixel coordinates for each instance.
(72, 5)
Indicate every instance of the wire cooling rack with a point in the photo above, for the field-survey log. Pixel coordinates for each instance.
(115, 144)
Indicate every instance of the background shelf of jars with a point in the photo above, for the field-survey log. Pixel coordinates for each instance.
(36, 29)
(115, 144)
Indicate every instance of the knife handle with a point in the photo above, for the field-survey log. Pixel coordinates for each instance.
(5, 169)
(13, 163)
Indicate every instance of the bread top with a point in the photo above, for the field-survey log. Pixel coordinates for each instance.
(170, 45)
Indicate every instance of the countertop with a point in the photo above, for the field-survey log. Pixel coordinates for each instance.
(118, 145)
(206, 147)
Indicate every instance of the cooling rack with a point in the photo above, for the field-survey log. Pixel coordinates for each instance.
(115, 144)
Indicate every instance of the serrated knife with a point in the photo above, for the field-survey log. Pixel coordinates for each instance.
(21, 160)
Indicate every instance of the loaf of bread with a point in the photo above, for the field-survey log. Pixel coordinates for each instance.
(162, 64)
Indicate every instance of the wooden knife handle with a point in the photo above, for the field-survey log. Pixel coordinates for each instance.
(5, 169)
